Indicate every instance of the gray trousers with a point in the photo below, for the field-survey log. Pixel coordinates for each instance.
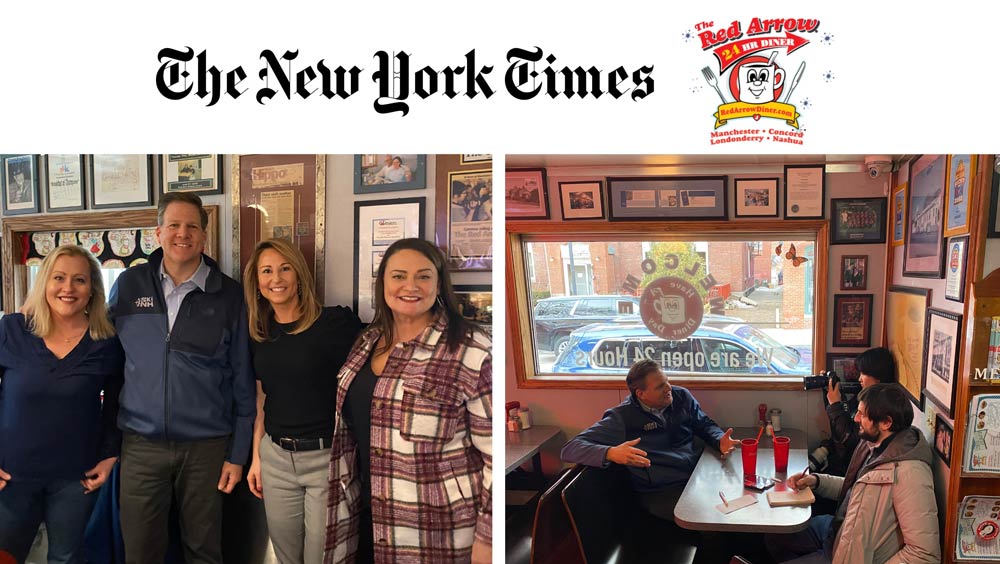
(153, 475)
(295, 492)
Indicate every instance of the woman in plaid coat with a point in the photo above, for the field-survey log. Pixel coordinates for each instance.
(411, 463)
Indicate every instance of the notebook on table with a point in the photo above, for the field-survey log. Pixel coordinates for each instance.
(791, 497)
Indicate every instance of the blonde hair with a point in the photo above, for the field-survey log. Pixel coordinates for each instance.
(36, 306)
(259, 310)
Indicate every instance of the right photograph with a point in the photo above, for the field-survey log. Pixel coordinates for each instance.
(752, 358)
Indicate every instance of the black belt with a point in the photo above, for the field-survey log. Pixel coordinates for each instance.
(300, 445)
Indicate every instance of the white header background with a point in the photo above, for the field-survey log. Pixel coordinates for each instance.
(81, 77)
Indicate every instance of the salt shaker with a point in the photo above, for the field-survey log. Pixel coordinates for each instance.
(525, 415)
(776, 419)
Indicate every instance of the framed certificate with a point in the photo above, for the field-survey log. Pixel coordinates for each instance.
(805, 191)
(378, 224)
(64, 187)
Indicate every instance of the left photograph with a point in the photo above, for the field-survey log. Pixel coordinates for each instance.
(246, 358)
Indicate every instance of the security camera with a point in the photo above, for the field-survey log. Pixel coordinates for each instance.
(877, 164)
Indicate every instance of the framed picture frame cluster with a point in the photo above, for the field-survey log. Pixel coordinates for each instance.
(669, 198)
(65, 182)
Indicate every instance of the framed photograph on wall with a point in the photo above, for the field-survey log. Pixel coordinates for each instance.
(954, 272)
(582, 200)
(905, 338)
(280, 196)
(854, 272)
(961, 171)
(667, 198)
(388, 172)
(467, 233)
(64, 186)
(121, 181)
(476, 303)
(852, 320)
(755, 197)
(198, 174)
(526, 193)
(941, 359)
(805, 191)
(20, 184)
(378, 224)
(899, 215)
(857, 221)
(923, 254)
(844, 365)
(942, 438)
(474, 159)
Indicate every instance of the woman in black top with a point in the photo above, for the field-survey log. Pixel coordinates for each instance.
(298, 347)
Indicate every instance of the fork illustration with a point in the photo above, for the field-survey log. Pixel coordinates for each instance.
(712, 81)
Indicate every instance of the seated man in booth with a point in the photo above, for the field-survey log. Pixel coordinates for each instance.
(886, 510)
(652, 433)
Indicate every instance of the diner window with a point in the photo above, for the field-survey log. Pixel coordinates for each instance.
(755, 295)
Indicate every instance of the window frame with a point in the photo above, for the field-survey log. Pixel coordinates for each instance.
(521, 349)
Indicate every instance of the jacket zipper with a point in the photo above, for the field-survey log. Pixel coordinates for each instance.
(166, 388)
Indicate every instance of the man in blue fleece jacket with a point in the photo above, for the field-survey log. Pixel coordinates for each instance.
(188, 404)
(652, 433)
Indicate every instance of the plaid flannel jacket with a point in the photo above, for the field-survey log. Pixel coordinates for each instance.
(431, 457)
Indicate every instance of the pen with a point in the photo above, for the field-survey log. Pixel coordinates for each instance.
(804, 474)
(724, 502)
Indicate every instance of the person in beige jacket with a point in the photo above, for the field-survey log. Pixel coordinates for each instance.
(887, 511)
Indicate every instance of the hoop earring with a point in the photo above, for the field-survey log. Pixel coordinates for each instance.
(440, 301)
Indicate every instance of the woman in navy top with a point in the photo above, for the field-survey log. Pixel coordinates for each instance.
(58, 440)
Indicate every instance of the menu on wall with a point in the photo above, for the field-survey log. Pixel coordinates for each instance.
(978, 528)
(982, 436)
